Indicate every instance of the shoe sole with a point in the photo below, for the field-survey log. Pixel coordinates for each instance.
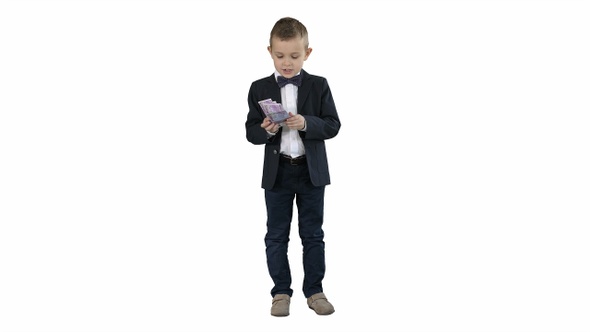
(326, 314)
(279, 315)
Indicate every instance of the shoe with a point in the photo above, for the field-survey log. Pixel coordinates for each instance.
(280, 305)
(319, 303)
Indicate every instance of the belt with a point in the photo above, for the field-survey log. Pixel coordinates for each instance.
(301, 160)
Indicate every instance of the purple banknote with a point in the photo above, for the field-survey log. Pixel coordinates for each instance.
(273, 110)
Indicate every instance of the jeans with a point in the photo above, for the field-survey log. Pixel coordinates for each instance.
(293, 183)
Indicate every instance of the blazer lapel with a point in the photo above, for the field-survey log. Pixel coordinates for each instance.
(303, 91)
(272, 88)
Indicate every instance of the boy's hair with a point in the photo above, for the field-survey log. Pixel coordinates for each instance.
(287, 28)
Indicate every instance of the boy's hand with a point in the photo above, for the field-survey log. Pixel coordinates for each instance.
(269, 126)
(295, 121)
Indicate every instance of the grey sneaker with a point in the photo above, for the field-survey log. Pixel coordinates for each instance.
(280, 305)
(319, 303)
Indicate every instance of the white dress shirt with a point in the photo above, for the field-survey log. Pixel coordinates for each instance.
(291, 143)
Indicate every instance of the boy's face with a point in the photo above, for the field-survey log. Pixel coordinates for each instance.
(288, 55)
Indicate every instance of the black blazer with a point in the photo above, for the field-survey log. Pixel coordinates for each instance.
(316, 105)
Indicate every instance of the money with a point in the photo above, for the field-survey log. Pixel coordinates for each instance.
(274, 110)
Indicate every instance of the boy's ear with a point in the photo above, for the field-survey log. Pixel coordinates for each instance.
(269, 50)
(308, 52)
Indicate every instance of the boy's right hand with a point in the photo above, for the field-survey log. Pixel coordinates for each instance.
(269, 126)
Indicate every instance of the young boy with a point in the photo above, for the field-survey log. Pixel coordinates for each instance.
(295, 162)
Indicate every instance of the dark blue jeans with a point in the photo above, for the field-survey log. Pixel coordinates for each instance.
(293, 183)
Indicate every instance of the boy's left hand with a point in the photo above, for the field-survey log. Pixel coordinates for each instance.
(295, 121)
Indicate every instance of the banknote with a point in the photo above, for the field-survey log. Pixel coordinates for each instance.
(274, 110)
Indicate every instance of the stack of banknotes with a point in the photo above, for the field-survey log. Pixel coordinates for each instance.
(275, 111)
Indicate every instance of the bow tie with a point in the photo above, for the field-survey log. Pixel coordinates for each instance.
(293, 80)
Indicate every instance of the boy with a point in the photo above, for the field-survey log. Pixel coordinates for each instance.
(295, 162)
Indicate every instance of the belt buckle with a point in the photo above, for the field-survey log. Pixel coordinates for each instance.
(293, 161)
(297, 161)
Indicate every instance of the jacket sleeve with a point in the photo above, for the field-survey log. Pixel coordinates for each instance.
(322, 123)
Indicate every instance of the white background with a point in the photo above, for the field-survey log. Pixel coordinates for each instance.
(130, 199)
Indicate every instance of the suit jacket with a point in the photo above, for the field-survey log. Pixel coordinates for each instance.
(316, 105)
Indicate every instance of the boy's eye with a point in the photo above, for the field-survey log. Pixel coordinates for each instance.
(279, 56)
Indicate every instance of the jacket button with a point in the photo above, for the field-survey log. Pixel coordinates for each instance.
(275, 151)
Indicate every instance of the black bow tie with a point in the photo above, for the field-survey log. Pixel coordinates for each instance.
(293, 80)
